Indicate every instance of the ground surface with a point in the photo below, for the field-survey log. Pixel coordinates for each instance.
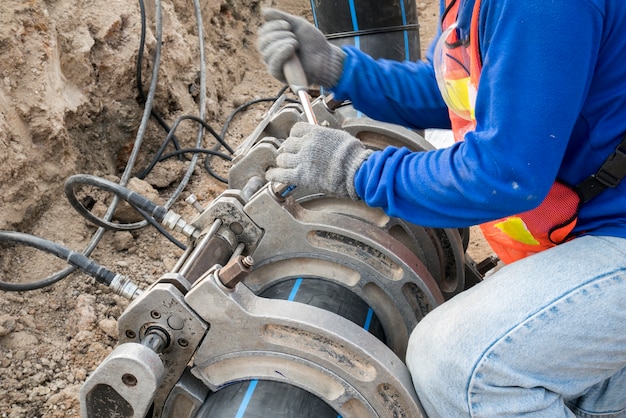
(68, 104)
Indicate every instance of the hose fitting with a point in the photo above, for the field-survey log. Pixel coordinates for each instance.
(175, 222)
(123, 286)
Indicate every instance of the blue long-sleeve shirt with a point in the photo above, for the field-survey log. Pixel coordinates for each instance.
(551, 103)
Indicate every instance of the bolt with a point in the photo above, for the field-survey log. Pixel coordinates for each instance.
(175, 322)
(235, 271)
(247, 261)
(487, 264)
(193, 200)
(236, 228)
(280, 190)
(129, 380)
(173, 221)
(156, 339)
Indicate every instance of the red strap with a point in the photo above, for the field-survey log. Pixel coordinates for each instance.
(475, 58)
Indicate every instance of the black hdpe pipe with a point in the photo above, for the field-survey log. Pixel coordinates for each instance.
(262, 398)
(383, 29)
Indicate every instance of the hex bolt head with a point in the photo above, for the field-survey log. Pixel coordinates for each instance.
(235, 271)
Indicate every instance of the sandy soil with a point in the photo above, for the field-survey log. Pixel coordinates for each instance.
(68, 104)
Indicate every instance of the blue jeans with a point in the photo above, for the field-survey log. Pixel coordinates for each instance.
(542, 337)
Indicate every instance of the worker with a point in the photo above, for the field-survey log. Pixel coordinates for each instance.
(535, 93)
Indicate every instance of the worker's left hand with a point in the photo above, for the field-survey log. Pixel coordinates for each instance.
(283, 35)
(319, 159)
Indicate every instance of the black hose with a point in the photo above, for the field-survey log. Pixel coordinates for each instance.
(157, 157)
(229, 119)
(135, 199)
(39, 284)
(161, 230)
(195, 150)
(246, 105)
(142, 95)
(104, 224)
(76, 259)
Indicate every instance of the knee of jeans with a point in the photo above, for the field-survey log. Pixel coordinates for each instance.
(437, 357)
(430, 360)
(425, 355)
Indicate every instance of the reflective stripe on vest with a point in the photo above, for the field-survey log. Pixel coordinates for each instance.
(458, 65)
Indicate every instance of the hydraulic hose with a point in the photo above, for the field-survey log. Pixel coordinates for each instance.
(102, 275)
(136, 200)
(148, 209)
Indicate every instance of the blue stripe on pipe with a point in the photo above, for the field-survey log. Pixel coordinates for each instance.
(366, 326)
(355, 24)
(294, 289)
(406, 33)
(250, 391)
(246, 399)
(368, 319)
(314, 14)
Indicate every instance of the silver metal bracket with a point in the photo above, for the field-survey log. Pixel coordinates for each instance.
(330, 357)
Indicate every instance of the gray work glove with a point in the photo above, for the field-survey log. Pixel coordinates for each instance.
(283, 34)
(319, 159)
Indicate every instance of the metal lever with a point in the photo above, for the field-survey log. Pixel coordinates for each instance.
(296, 78)
(294, 73)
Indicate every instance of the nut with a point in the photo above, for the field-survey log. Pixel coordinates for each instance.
(235, 271)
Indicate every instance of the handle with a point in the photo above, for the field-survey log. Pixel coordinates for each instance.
(296, 78)
(295, 75)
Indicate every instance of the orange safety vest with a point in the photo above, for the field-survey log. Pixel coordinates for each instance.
(458, 66)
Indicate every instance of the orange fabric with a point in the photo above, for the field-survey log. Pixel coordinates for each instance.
(477, 63)
(461, 126)
(549, 224)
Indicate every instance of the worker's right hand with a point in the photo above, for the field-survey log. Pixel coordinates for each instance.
(319, 159)
(283, 35)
